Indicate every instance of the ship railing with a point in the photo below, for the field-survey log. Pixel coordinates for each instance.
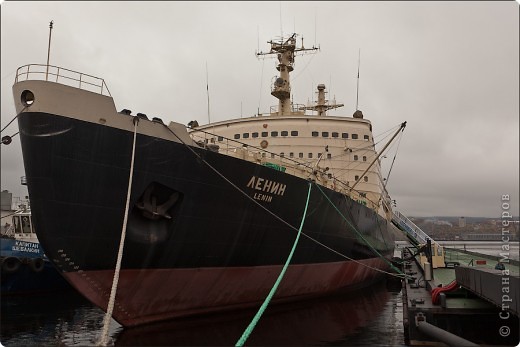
(254, 154)
(9, 232)
(296, 109)
(288, 165)
(61, 75)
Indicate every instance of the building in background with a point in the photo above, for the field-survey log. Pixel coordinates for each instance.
(7, 200)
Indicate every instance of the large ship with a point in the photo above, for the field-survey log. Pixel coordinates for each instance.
(212, 210)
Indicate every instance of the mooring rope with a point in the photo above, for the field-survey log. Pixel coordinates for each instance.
(262, 308)
(274, 214)
(106, 321)
(360, 235)
(12, 120)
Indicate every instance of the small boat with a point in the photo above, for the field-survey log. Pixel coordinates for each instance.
(24, 267)
(209, 212)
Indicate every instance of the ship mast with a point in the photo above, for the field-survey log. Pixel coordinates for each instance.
(322, 105)
(281, 88)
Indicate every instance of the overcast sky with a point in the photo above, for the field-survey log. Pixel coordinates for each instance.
(450, 69)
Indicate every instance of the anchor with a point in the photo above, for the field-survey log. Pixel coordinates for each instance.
(152, 210)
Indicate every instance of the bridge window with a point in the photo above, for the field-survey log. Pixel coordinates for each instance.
(291, 155)
(366, 179)
(265, 134)
(315, 134)
(354, 136)
(325, 134)
(329, 156)
(366, 137)
(335, 134)
(220, 138)
(310, 155)
(355, 157)
(282, 154)
(26, 225)
(285, 133)
(344, 135)
(274, 133)
(245, 135)
(17, 225)
(356, 177)
(294, 133)
(236, 136)
(254, 135)
(364, 158)
(300, 155)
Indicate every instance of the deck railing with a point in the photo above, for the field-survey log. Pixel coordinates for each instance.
(61, 75)
(292, 166)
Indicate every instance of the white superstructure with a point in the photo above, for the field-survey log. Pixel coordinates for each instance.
(337, 152)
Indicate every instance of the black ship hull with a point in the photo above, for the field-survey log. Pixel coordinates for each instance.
(206, 232)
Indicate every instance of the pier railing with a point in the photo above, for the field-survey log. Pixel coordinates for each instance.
(61, 75)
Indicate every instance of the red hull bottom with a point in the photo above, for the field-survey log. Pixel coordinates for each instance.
(150, 295)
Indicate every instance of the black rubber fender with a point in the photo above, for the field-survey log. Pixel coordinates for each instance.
(37, 264)
(11, 264)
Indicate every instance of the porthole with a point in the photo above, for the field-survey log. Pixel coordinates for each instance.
(264, 144)
(27, 98)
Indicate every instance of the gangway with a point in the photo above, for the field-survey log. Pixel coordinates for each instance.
(419, 238)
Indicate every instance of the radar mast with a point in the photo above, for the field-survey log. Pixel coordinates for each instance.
(281, 88)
